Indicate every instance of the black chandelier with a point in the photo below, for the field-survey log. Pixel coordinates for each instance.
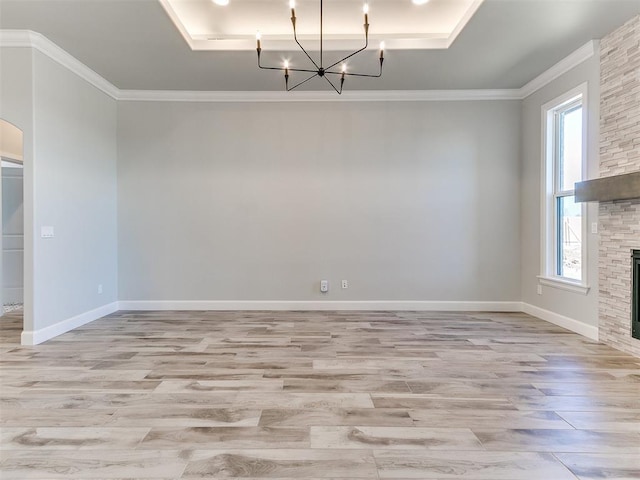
(321, 70)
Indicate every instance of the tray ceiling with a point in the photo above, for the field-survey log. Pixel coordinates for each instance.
(134, 44)
(402, 24)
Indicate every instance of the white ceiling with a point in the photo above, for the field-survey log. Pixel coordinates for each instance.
(402, 24)
(135, 45)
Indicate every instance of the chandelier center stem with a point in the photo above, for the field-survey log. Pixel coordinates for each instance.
(321, 24)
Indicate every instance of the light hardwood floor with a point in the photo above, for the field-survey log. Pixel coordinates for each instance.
(310, 395)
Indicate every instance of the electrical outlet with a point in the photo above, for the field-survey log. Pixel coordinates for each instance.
(539, 289)
(100, 289)
(594, 227)
(345, 283)
(324, 286)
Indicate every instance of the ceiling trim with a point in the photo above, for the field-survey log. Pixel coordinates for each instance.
(30, 39)
(318, 96)
(37, 41)
(571, 61)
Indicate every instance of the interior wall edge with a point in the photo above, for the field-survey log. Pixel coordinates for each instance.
(35, 337)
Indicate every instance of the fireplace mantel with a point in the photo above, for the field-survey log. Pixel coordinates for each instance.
(608, 189)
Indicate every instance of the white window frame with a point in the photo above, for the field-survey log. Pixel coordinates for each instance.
(551, 191)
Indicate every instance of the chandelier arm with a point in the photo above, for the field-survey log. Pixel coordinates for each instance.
(271, 68)
(347, 74)
(282, 69)
(295, 37)
(305, 52)
(304, 81)
(356, 74)
(339, 92)
(301, 70)
(366, 45)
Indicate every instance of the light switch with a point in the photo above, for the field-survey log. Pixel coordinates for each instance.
(46, 232)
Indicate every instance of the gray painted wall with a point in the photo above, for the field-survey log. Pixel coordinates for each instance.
(408, 201)
(12, 235)
(572, 305)
(75, 180)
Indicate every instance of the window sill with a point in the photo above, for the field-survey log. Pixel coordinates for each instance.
(562, 284)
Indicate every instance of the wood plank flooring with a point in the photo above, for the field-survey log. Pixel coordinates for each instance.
(317, 395)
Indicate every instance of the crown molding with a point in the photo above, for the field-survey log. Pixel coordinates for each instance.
(317, 96)
(30, 39)
(17, 38)
(571, 61)
(37, 41)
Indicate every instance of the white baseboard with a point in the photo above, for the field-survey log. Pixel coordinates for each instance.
(34, 337)
(576, 326)
(321, 305)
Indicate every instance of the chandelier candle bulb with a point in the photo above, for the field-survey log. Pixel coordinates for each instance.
(286, 74)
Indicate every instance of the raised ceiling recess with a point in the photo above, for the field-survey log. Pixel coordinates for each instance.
(401, 24)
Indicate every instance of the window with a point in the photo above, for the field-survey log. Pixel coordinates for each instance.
(563, 220)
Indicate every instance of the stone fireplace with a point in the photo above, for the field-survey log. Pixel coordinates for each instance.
(635, 294)
(619, 237)
(618, 188)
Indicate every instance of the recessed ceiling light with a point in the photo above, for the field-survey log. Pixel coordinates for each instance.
(221, 2)
(420, 2)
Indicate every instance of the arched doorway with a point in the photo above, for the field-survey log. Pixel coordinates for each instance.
(12, 216)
